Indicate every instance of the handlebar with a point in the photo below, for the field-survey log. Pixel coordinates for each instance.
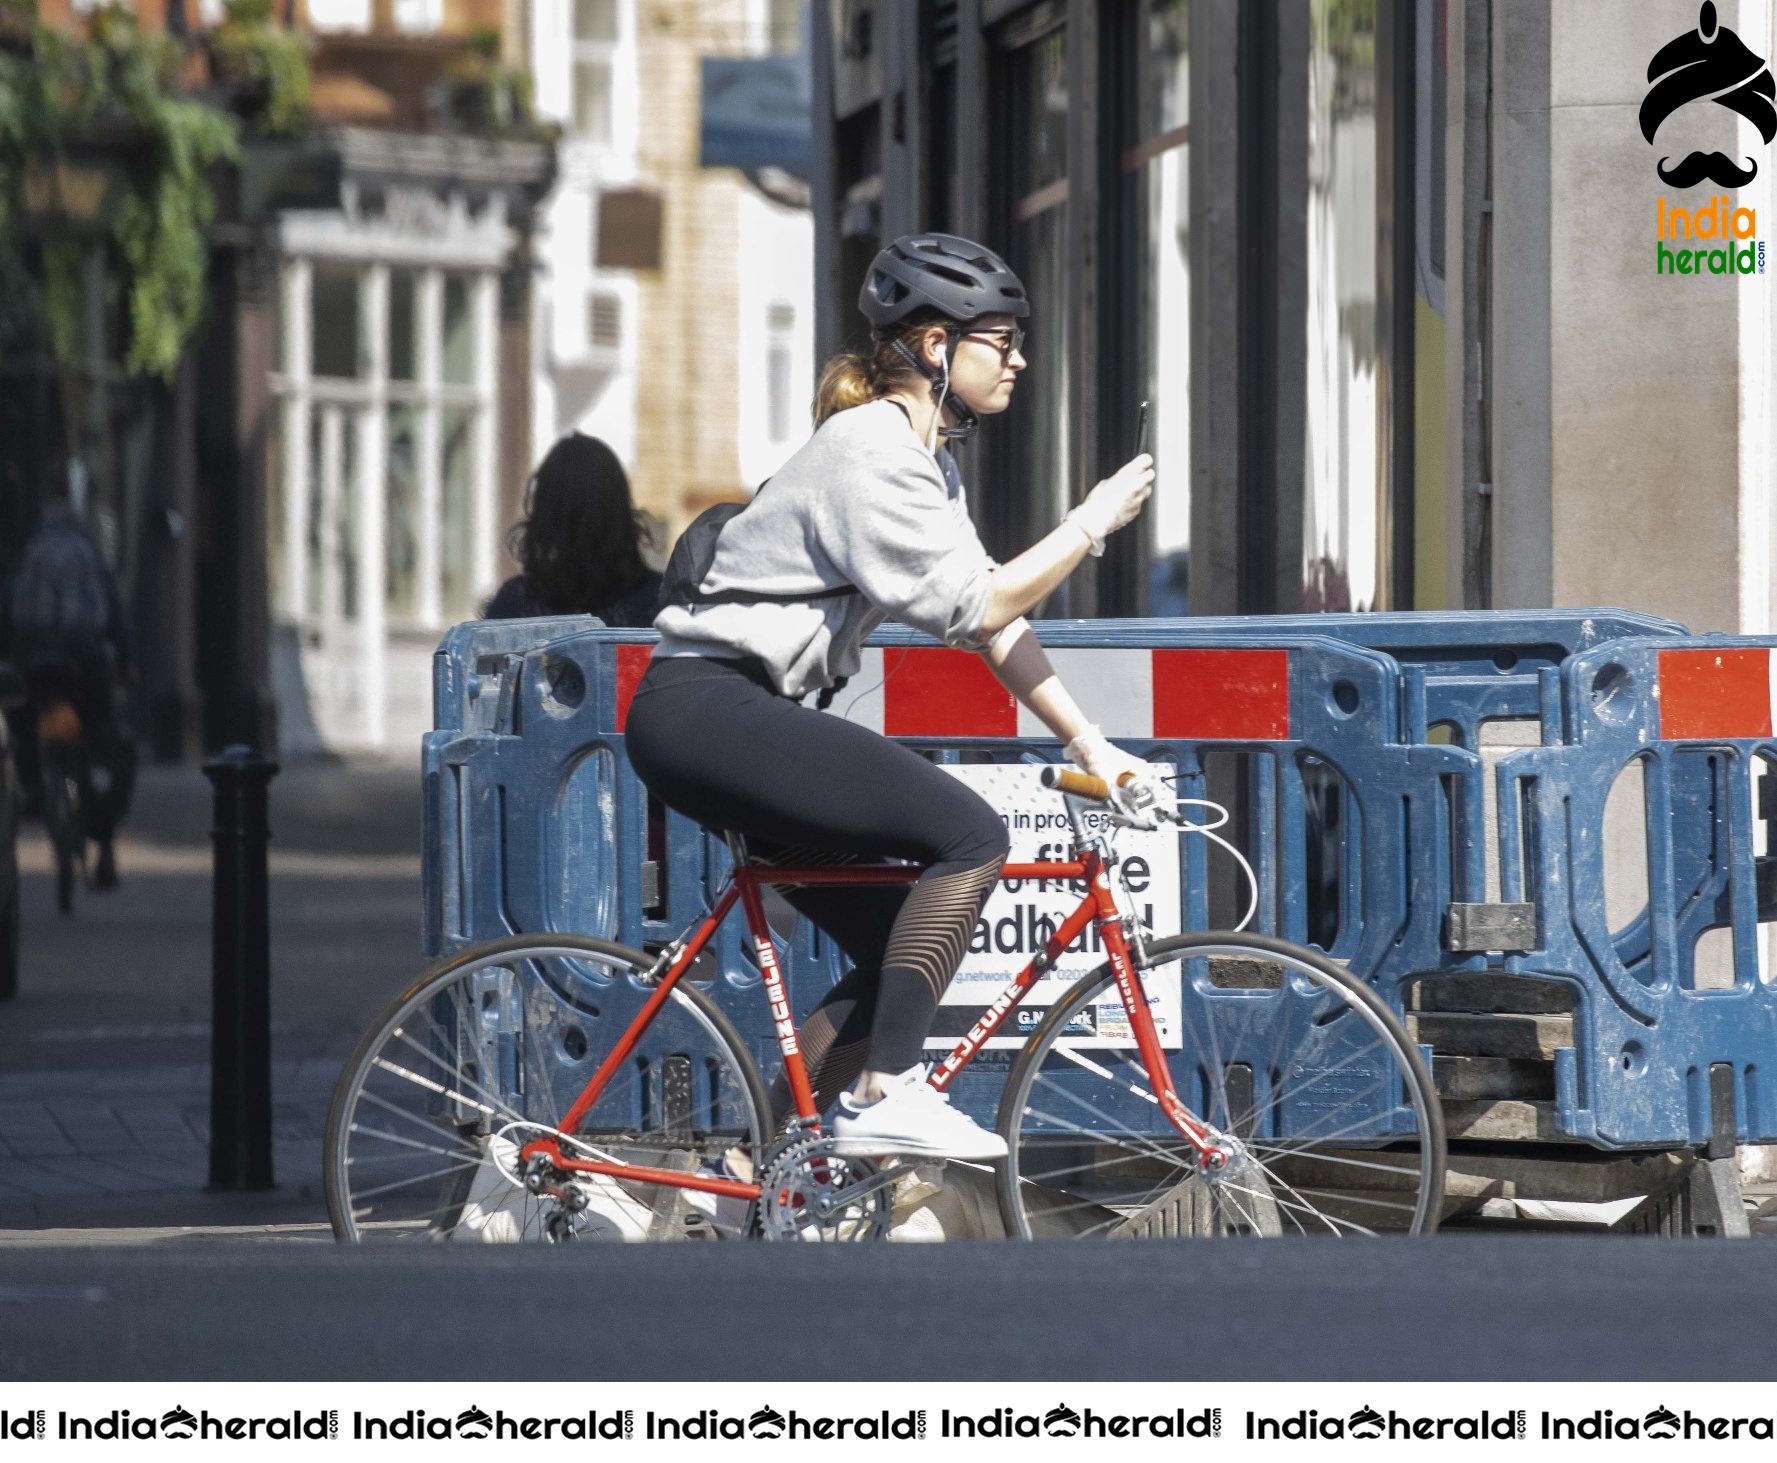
(1080, 784)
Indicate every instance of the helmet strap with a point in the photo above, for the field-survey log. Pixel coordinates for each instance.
(966, 419)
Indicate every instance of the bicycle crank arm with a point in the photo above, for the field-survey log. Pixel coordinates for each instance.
(862, 1189)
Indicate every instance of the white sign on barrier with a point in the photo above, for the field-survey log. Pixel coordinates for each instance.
(1021, 915)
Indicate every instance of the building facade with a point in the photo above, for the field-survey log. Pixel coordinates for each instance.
(674, 310)
(392, 445)
(318, 490)
(1387, 269)
(399, 419)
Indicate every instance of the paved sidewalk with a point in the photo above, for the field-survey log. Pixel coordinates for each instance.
(104, 1056)
(130, 1149)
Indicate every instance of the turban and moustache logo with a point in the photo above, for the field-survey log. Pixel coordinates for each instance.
(1709, 62)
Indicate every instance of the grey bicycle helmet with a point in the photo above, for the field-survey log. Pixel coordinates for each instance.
(960, 279)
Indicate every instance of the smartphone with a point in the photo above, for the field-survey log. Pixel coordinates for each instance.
(1141, 429)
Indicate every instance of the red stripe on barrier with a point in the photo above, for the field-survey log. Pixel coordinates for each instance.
(944, 693)
(1222, 695)
(1710, 694)
(632, 665)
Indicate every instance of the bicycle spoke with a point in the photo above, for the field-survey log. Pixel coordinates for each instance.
(427, 1125)
(1301, 1072)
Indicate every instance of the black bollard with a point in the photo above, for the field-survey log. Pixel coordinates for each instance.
(240, 1029)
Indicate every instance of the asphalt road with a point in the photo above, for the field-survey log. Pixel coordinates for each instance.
(115, 1263)
(1455, 1308)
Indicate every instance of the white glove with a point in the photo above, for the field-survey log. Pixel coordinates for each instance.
(1094, 755)
(1114, 502)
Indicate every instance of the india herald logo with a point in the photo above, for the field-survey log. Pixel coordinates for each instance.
(1660, 1423)
(474, 1423)
(767, 1422)
(1711, 63)
(178, 1423)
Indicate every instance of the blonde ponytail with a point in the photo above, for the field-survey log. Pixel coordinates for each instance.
(852, 378)
(845, 383)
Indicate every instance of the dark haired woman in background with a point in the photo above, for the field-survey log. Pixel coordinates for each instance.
(580, 543)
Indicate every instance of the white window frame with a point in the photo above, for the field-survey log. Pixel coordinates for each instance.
(367, 400)
(608, 53)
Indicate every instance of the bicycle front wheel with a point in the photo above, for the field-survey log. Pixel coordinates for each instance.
(1310, 1083)
(487, 1053)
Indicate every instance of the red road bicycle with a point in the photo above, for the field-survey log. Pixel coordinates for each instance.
(553, 1087)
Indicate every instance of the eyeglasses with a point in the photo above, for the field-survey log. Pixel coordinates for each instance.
(1006, 339)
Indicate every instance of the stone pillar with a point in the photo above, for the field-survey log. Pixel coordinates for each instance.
(1215, 309)
(1621, 418)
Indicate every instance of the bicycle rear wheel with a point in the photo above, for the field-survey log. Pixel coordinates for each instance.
(486, 1053)
(1317, 1092)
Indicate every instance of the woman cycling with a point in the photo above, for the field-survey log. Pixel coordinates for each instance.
(868, 521)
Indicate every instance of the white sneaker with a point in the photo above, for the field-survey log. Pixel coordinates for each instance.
(912, 1117)
(723, 1213)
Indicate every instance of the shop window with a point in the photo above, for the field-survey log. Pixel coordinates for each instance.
(1158, 163)
(595, 41)
(596, 21)
(459, 332)
(457, 516)
(426, 487)
(1342, 515)
(401, 509)
(786, 26)
(420, 17)
(333, 333)
(592, 100)
(339, 14)
(1031, 487)
(403, 325)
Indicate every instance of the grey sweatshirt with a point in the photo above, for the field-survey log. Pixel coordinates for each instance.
(861, 503)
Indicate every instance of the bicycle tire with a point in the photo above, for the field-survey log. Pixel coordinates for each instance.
(1326, 1101)
(473, 1060)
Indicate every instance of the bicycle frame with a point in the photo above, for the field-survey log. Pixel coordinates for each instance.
(743, 888)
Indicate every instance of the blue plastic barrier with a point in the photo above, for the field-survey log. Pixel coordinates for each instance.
(1468, 666)
(1364, 831)
(1694, 716)
(539, 825)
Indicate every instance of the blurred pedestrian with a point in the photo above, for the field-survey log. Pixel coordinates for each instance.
(67, 637)
(580, 543)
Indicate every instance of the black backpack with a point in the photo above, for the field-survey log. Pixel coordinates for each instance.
(681, 583)
(688, 566)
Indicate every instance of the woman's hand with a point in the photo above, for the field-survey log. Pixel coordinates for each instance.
(1115, 501)
(1018, 587)
(1092, 753)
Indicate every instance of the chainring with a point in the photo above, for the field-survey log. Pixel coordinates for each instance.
(809, 1192)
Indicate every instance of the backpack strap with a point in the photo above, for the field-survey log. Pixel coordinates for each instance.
(695, 552)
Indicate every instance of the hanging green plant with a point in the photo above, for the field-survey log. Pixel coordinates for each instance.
(266, 64)
(480, 93)
(110, 98)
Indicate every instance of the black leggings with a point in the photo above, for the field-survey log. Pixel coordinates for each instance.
(712, 740)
